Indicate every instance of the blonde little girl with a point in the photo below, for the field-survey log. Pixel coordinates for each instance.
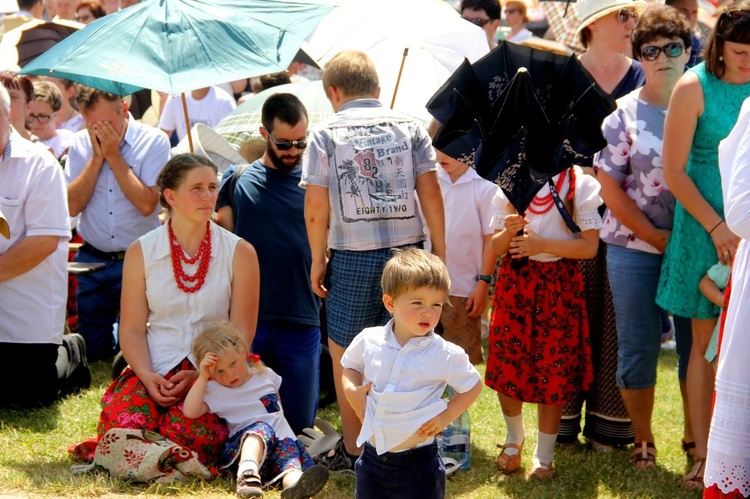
(236, 386)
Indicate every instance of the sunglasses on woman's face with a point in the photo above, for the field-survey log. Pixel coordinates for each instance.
(625, 15)
(672, 50)
(736, 17)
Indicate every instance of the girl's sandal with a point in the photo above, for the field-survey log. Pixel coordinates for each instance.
(509, 463)
(249, 484)
(643, 456)
(688, 448)
(694, 479)
(543, 472)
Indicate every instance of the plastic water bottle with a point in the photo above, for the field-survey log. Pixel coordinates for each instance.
(455, 441)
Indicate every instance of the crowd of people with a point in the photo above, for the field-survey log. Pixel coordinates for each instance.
(214, 281)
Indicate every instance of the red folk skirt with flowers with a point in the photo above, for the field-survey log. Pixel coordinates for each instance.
(127, 404)
(539, 345)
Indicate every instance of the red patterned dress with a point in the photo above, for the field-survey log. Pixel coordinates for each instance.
(539, 345)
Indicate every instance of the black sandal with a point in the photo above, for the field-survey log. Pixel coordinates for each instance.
(643, 456)
(249, 484)
(688, 448)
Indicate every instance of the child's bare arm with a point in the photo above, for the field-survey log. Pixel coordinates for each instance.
(431, 200)
(501, 238)
(711, 291)
(456, 406)
(355, 391)
(194, 407)
(531, 243)
(477, 301)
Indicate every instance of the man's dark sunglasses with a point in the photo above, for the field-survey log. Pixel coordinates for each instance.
(285, 145)
(479, 21)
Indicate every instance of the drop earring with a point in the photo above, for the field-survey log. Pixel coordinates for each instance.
(721, 58)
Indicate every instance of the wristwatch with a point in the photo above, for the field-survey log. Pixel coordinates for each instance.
(485, 278)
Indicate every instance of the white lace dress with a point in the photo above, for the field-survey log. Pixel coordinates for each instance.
(728, 461)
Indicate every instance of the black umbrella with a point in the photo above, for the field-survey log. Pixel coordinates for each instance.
(523, 127)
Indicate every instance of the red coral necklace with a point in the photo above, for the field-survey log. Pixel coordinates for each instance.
(542, 204)
(202, 257)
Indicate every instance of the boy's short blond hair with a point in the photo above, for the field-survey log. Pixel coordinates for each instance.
(413, 268)
(48, 92)
(220, 338)
(353, 74)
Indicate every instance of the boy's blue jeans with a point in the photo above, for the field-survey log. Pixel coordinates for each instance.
(411, 474)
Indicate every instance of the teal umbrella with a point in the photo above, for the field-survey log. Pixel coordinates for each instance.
(178, 45)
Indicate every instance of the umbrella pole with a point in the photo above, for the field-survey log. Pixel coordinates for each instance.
(187, 122)
(398, 80)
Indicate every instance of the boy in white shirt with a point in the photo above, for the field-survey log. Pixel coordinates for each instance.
(470, 257)
(394, 377)
(44, 114)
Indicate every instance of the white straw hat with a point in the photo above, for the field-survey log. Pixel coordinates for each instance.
(591, 10)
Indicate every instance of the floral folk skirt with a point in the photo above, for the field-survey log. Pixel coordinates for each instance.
(539, 345)
(127, 404)
(282, 455)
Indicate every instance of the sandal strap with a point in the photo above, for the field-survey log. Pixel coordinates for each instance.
(518, 447)
(643, 451)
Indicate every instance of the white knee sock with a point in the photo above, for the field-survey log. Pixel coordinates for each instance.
(516, 433)
(545, 449)
(247, 464)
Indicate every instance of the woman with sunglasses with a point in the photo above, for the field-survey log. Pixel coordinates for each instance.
(703, 108)
(640, 211)
(605, 29)
(516, 19)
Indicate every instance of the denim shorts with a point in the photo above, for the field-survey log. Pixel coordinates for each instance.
(412, 474)
(634, 278)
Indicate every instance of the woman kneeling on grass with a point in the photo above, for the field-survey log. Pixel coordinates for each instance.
(177, 280)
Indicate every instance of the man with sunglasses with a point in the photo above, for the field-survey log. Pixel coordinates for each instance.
(266, 208)
(485, 14)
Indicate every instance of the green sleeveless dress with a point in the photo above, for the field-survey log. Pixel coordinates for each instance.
(691, 251)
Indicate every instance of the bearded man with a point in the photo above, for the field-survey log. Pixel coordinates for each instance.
(268, 212)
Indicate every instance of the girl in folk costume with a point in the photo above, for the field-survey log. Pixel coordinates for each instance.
(539, 347)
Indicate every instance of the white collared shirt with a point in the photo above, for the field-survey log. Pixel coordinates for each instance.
(110, 222)
(34, 202)
(468, 217)
(407, 382)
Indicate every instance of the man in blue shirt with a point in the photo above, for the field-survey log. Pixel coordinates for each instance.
(111, 175)
(268, 212)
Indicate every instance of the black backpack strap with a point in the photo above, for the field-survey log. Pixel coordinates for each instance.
(233, 183)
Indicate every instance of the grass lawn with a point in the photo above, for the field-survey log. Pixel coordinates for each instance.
(34, 461)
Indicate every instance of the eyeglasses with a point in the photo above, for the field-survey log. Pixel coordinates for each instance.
(511, 11)
(285, 145)
(625, 15)
(737, 17)
(41, 118)
(84, 18)
(479, 21)
(671, 50)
